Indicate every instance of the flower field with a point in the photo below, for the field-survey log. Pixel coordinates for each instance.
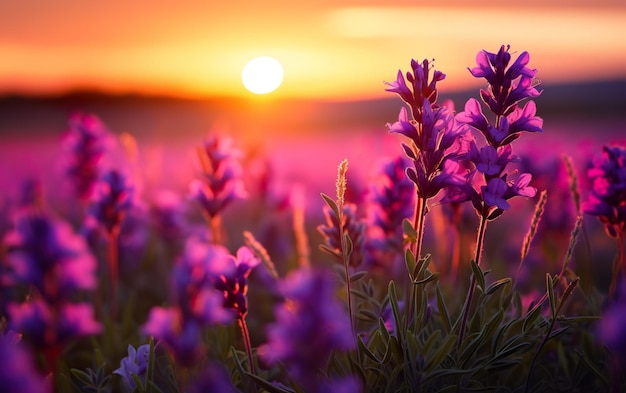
(454, 249)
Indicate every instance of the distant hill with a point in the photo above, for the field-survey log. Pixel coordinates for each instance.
(150, 114)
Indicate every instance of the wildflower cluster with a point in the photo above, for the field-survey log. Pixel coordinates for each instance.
(44, 253)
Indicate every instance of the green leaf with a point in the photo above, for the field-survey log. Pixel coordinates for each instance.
(443, 310)
(331, 251)
(409, 231)
(348, 246)
(479, 275)
(428, 279)
(580, 319)
(440, 354)
(150, 371)
(506, 352)
(82, 376)
(357, 276)
(331, 203)
(497, 285)
(364, 349)
(393, 300)
(409, 259)
(139, 385)
(551, 297)
(267, 385)
(531, 318)
(421, 266)
(558, 332)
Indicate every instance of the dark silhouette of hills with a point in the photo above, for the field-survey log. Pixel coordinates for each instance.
(140, 113)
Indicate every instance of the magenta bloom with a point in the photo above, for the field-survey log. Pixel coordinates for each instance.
(46, 253)
(309, 326)
(220, 182)
(112, 199)
(18, 373)
(46, 327)
(85, 144)
(607, 199)
(390, 200)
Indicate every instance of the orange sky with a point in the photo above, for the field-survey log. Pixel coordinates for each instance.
(336, 49)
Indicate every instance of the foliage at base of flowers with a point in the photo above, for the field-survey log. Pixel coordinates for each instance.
(139, 290)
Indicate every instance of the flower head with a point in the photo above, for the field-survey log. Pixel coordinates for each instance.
(85, 142)
(46, 253)
(135, 363)
(607, 199)
(310, 324)
(111, 201)
(220, 181)
(17, 367)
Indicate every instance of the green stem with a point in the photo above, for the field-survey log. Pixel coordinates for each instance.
(113, 255)
(246, 341)
(418, 224)
(470, 295)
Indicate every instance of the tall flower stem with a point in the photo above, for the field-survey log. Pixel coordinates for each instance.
(346, 265)
(621, 263)
(246, 341)
(418, 224)
(480, 237)
(217, 236)
(113, 256)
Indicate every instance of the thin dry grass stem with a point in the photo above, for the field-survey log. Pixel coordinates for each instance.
(573, 182)
(341, 184)
(303, 250)
(113, 256)
(341, 192)
(260, 252)
(568, 256)
(532, 231)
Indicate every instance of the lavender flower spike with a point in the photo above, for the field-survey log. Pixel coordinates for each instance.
(309, 326)
(220, 181)
(17, 367)
(85, 142)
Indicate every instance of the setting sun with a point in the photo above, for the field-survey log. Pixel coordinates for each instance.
(262, 75)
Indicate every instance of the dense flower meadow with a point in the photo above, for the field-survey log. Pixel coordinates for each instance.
(405, 285)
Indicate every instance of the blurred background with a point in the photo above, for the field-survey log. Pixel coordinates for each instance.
(170, 72)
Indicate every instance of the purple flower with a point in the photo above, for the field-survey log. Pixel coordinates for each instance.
(17, 367)
(508, 85)
(209, 287)
(310, 324)
(213, 378)
(112, 199)
(435, 135)
(231, 278)
(610, 328)
(423, 88)
(85, 143)
(167, 217)
(220, 182)
(194, 278)
(390, 201)
(607, 199)
(45, 327)
(493, 193)
(352, 225)
(183, 337)
(135, 363)
(46, 253)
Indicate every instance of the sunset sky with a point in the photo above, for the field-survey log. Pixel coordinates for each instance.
(330, 49)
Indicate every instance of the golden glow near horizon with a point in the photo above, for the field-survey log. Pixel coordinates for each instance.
(328, 49)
